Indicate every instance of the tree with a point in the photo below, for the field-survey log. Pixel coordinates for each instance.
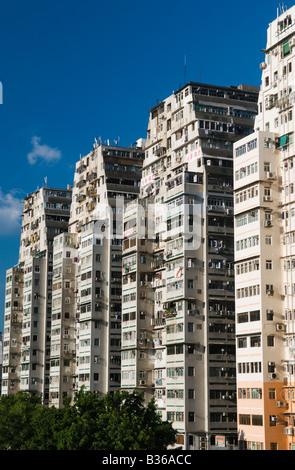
(16, 416)
(124, 423)
(119, 421)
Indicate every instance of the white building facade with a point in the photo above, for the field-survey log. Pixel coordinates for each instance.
(28, 296)
(264, 253)
(87, 275)
(178, 332)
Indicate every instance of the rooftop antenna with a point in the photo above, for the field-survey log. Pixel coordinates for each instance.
(282, 8)
(185, 69)
(45, 179)
(117, 141)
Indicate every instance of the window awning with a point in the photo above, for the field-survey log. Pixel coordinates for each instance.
(283, 140)
(286, 48)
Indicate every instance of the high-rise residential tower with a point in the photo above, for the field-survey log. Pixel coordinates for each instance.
(87, 274)
(178, 310)
(28, 297)
(265, 253)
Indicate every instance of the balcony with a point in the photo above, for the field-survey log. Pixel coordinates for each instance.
(81, 197)
(81, 167)
(81, 183)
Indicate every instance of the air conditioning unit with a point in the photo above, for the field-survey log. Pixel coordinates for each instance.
(274, 418)
(280, 404)
(272, 376)
(142, 382)
(280, 327)
(288, 431)
(263, 66)
(270, 176)
(191, 312)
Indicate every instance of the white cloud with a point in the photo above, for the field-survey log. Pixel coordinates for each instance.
(43, 152)
(11, 208)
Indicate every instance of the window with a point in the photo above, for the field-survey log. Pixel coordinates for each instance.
(270, 341)
(180, 439)
(255, 341)
(242, 342)
(243, 317)
(257, 420)
(268, 264)
(286, 49)
(191, 393)
(272, 420)
(245, 419)
(255, 315)
(269, 315)
(191, 416)
(191, 371)
(178, 349)
(190, 327)
(269, 289)
(267, 167)
(256, 393)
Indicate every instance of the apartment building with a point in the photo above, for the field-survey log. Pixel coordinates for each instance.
(28, 296)
(265, 253)
(178, 304)
(87, 274)
(1, 361)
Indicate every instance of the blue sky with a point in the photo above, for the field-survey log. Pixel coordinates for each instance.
(72, 71)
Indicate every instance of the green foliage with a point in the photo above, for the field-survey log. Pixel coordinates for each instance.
(119, 421)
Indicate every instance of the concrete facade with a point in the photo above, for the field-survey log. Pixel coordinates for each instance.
(178, 331)
(264, 235)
